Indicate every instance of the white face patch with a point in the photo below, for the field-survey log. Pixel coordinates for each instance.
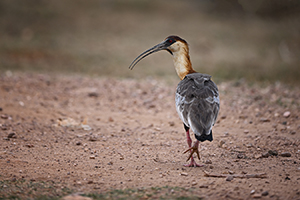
(175, 47)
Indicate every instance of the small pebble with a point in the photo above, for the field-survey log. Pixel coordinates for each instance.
(203, 186)
(252, 192)
(93, 138)
(286, 154)
(265, 193)
(240, 156)
(249, 145)
(183, 173)
(256, 196)
(171, 123)
(194, 183)
(110, 119)
(92, 157)
(76, 196)
(78, 143)
(257, 156)
(246, 131)
(21, 103)
(221, 143)
(93, 94)
(265, 155)
(264, 120)
(229, 178)
(273, 152)
(208, 162)
(12, 135)
(292, 132)
(243, 116)
(4, 116)
(286, 114)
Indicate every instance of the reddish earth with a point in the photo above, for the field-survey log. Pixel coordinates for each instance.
(81, 134)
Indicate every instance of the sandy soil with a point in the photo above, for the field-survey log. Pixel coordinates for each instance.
(81, 134)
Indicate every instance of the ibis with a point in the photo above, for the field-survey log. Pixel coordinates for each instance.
(197, 97)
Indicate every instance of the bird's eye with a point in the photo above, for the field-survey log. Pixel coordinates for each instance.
(170, 41)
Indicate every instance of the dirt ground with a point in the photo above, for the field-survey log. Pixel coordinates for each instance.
(68, 134)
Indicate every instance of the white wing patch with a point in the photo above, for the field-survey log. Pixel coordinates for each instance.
(214, 99)
(180, 100)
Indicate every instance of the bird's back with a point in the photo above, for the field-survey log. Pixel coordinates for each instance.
(197, 103)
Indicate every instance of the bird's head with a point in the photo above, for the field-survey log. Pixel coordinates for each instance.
(172, 44)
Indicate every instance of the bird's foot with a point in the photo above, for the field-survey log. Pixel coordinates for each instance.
(193, 164)
(192, 150)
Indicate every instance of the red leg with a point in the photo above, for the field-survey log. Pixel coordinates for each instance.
(188, 138)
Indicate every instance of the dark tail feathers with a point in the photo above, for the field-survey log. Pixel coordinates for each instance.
(204, 137)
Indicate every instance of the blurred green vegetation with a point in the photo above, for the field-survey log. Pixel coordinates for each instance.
(257, 40)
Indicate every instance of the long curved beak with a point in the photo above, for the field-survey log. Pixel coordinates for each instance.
(161, 46)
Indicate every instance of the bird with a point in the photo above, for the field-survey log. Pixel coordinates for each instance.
(196, 98)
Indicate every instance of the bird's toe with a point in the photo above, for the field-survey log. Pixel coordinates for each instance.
(193, 164)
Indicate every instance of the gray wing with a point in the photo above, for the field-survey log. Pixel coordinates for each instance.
(197, 103)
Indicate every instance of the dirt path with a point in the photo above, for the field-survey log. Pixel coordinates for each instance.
(77, 134)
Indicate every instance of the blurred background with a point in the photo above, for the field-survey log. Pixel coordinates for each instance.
(257, 40)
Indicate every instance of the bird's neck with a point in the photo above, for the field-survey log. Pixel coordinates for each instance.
(182, 62)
